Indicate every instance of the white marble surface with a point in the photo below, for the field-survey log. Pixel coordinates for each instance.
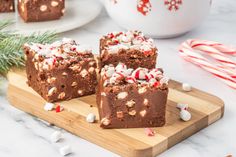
(22, 135)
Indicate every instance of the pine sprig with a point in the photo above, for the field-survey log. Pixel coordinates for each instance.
(11, 53)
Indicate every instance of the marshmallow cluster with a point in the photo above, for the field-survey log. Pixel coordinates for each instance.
(129, 40)
(51, 54)
(120, 73)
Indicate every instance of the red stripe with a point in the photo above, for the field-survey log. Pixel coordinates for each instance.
(196, 45)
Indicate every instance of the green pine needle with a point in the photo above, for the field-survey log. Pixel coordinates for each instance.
(11, 54)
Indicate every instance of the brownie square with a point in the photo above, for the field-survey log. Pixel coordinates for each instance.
(41, 10)
(7, 6)
(60, 71)
(131, 48)
(131, 98)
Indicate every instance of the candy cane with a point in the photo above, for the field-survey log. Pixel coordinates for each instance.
(213, 49)
(224, 69)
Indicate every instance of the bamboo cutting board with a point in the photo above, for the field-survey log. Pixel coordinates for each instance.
(205, 110)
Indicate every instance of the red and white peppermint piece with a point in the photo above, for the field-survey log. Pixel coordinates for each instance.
(156, 73)
(110, 35)
(59, 108)
(156, 84)
(152, 81)
(148, 76)
(139, 73)
(118, 75)
(144, 6)
(130, 79)
(149, 132)
(164, 80)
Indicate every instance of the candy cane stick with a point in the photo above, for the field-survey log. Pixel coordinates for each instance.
(222, 48)
(212, 49)
(224, 72)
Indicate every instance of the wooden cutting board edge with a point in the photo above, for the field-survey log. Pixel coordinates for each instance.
(136, 149)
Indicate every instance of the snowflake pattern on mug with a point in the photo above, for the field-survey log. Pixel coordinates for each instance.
(144, 6)
(173, 4)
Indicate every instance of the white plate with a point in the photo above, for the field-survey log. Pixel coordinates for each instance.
(78, 13)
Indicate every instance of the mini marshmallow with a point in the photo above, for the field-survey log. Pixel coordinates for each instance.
(48, 106)
(185, 115)
(65, 150)
(121, 67)
(110, 71)
(112, 80)
(56, 136)
(182, 106)
(186, 87)
(91, 118)
(125, 39)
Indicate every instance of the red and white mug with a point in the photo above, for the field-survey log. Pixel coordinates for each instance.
(158, 18)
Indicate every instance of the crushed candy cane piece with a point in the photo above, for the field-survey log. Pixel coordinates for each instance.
(56, 136)
(59, 108)
(48, 106)
(139, 73)
(142, 76)
(65, 150)
(149, 132)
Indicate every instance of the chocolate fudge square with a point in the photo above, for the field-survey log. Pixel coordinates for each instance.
(60, 71)
(131, 98)
(41, 10)
(6, 6)
(131, 48)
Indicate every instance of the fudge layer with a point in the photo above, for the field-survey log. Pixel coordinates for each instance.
(132, 48)
(131, 98)
(7, 6)
(60, 71)
(41, 10)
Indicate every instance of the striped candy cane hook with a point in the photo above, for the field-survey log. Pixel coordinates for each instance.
(224, 69)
